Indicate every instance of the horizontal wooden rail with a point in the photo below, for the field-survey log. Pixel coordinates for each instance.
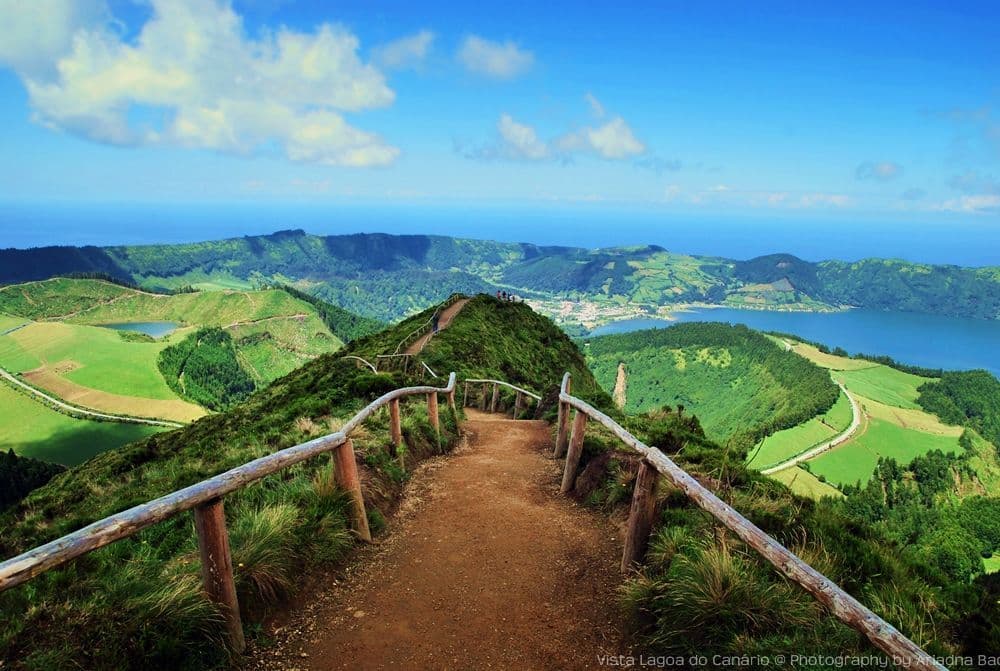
(205, 497)
(509, 386)
(901, 650)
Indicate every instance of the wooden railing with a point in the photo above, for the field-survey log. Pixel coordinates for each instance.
(205, 499)
(491, 406)
(901, 650)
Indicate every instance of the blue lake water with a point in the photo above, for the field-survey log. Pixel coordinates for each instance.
(154, 329)
(934, 341)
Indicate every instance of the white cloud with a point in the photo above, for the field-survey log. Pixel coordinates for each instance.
(521, 140)
(595, 105)
(36, 33)
(192, 77)
(614, 140)
(881, 171)
(500, 60)
(406, 52)
(977, 204)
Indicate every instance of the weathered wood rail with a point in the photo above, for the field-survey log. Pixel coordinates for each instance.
(205, 499)
(519, 395)
(901, 650)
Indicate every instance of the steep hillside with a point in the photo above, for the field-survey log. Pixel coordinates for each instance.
(740, 384)
(364, 272)
(96, 614)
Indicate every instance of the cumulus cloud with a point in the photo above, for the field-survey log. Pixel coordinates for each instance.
(613, 140)
(192, 77)
(500, 60)
(881, 171)
(406, 52)
(521, 140)
(37, 33)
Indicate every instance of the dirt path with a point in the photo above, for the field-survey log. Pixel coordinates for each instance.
(487, 567)
(446, 316)
(839, 439)
(621, 386)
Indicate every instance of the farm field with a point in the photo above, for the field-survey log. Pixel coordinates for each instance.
(883, 384)
(786, 444)
(831, 361)
(855, 460)
(9, 322)
(90, 356)
(34, 430)
(804, 483)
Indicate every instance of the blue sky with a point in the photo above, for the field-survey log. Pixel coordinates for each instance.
(764, 109)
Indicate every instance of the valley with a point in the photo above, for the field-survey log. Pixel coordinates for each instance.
(71, 339)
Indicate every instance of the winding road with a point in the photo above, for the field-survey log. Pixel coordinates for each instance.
(828, 445)
(77, 410)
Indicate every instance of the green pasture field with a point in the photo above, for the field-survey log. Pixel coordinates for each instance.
(883, 384)
(855, 461)
(34, 430)
(786, 444)
(804, 483)
(104, 361)
(9, 322)
(991, 564)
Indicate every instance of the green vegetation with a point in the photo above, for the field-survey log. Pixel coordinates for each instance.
(970, 398)
(703, 592)
(363, 273)
(204, 368)
(788, 443)
(856, 461)
(34, 430)
(20, 475)
(739, 383)
(883, 384)
(138, 603)
(94, 357)
(805, 484)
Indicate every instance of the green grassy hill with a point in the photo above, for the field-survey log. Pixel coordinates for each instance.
(63, 350)
(96, 614)
(138, 604)
(740, 384)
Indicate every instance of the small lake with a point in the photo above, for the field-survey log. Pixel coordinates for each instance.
(154, 329)
(951, 343)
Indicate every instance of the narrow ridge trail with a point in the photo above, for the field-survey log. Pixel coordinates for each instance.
(486, 567)
(444, 320)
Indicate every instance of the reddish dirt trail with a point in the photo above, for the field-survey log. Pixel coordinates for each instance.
(446, 316)
(487, 568)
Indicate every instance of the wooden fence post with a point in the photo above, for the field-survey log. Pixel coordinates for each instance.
(518, 403)
(562, 435)
(395, 430)
(432, 412)
(451, 401)
(575, 451)
(482, 398)
(345, 469)
(217, 567)
(640, 517)
(465, 396)
(496, 397)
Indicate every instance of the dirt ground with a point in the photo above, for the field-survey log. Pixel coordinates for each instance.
(485, 567)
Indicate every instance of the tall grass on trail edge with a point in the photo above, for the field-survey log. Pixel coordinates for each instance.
(702, 591)
(138, 603)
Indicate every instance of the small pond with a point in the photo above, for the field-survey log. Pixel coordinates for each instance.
(154, 329)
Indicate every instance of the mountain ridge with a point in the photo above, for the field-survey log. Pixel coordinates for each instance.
(363, 272)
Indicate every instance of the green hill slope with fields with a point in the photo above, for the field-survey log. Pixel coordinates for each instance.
(739, 383)
(53, 339)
